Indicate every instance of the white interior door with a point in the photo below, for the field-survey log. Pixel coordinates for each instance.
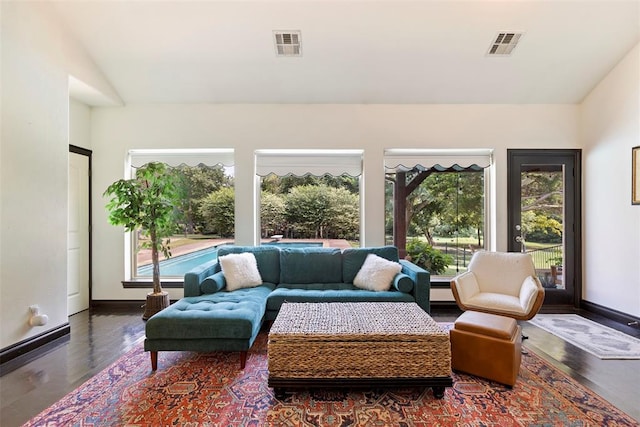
(78, 235)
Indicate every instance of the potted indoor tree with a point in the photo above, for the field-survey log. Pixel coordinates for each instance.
(146, 204)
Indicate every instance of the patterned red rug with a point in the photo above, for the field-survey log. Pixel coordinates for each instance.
(192, 389)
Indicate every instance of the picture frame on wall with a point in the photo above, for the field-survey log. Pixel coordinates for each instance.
(635, 175)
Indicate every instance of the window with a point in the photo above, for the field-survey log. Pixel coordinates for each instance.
(310, 197)
(436, 206)
(204, 218)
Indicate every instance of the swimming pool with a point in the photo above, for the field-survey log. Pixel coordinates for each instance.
(179, 265)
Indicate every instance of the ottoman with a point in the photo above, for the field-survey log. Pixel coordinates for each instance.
(360, 344)
(486, 345)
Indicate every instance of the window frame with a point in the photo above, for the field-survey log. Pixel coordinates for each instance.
(211, 157)
(302, 162)
(395, 159)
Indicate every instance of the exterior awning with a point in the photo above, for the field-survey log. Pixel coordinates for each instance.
(309, 162)
(177, 157)
(404, 160)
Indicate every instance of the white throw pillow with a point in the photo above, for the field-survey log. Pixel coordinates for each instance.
(376, 273)
(240, 270)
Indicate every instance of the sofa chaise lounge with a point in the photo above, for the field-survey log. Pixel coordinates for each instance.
(212, 318)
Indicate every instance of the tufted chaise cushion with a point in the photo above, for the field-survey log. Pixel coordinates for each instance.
(236, 314)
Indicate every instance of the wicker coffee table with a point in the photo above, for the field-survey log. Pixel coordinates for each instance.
(386, 344)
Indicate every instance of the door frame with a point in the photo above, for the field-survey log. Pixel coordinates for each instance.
(573, 198)
(85, 152)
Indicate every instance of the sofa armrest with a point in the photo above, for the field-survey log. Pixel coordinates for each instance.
(194, 277)
(421, 283)
(464, 286)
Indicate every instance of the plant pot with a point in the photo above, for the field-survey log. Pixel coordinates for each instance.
(556, 273)
(155, 303)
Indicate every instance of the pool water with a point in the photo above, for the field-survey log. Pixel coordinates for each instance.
(294, 244)
(179, 265)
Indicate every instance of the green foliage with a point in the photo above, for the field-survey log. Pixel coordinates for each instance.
(557, 260)
(194, 184)
(307, 209)
(218, 212)
(538, 227)
(542, 206)
(424, 255)
(344, 212)
(146, 203)
(447, 201)
(272, 214)
(283, 184)
(320, 211)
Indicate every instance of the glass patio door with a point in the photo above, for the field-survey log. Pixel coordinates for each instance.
(544, 218)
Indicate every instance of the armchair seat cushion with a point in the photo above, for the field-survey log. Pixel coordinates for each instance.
(496, 303)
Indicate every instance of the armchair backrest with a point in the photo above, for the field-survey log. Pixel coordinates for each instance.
(501, 272)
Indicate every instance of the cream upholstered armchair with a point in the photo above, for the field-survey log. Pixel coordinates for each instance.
(503, 283)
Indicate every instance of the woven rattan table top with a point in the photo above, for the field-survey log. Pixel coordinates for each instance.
(382, 321)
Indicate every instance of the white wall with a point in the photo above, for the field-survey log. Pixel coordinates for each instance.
(610, 126)
(250, 127)
(37, 56)
(79, 124)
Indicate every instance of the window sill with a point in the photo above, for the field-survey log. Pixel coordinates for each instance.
(441, 282)
(144, 284)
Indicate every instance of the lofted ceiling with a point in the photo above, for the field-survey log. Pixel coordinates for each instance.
(353, 51)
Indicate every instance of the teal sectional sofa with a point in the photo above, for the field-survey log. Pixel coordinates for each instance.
(210, 318)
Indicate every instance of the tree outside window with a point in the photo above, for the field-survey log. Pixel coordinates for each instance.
(444, 214)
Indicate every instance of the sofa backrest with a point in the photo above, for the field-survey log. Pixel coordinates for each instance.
(353, 258)
(267, 258)
(310, 265)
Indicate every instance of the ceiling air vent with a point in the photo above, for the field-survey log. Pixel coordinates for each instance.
(504, 44)
(287, 43)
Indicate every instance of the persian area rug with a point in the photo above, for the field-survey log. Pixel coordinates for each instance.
(196, 389)
(601, 341)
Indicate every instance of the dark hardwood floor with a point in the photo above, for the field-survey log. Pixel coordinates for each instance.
(100, 336)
